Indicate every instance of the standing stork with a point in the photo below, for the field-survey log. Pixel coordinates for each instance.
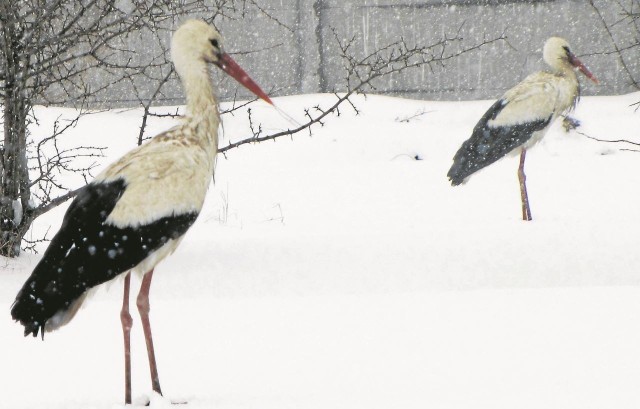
(136, 211)
(522, 116)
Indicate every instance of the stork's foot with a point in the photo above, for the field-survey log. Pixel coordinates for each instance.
(179, 402)
(157, 401)
(569, 123)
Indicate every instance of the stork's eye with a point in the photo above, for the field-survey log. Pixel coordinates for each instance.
(214, 42)
(566, 49)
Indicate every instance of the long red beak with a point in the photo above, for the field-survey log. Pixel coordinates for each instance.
(228, 65)
(579, 65)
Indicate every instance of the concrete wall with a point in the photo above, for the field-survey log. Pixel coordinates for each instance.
(301, 56)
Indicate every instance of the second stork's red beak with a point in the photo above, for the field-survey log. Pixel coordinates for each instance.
(228, 65)
(583, 68)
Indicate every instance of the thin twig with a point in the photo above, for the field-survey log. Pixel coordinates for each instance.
(608, 140)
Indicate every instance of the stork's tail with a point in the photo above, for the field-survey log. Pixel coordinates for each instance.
(20, 311)
(41, 305)
(457, 173)
(29, 310)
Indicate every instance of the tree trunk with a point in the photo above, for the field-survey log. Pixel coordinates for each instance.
(14, 174)
(14, 189)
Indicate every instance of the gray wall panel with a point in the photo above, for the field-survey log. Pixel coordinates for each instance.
(301, 56)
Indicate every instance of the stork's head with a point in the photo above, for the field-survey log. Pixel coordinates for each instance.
(558, 55)
(196, 43)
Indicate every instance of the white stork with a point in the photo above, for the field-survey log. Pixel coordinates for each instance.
(522, 116)
(136, 211)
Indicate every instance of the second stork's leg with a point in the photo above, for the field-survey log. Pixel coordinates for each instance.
(144, 308)
(526, 211)
(127, 322)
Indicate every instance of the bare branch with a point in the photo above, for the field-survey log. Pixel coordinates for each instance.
(617, 49)
(147, 105)
(42, 209)
(361, 72)
(609, 140)
(410, 118)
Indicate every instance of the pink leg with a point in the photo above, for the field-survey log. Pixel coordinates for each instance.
(526, 211)
(127, 323)
(143, 307)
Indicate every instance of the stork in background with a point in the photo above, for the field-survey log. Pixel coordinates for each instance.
(137, 210)
(522, 116)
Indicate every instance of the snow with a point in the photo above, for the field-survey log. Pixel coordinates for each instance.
(336, 271)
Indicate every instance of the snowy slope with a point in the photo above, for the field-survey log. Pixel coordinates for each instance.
(336, 271)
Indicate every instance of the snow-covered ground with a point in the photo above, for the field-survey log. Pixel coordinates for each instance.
(336, 271)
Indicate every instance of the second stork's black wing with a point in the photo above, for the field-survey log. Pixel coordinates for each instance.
(490, 143)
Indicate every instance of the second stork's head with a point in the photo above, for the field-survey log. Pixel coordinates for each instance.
(196, 43)
(558, 55)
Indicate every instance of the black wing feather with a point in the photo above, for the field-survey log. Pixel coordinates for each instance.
(88, 251)
(488, 144)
